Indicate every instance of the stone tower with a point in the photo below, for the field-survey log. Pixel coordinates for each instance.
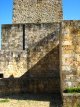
(40, 53)
(31, 46)
(37, 11)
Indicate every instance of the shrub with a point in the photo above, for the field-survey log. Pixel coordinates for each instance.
(72, 90)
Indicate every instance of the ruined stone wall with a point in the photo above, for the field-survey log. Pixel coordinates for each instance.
(70, 53)
(37, 11)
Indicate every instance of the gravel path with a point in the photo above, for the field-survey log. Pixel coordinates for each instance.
(24, 103)
(27, 100)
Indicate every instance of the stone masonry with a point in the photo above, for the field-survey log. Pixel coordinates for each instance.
(70, 53)
(37, 11)
(39, 62)
(30, 47)
(40, 53)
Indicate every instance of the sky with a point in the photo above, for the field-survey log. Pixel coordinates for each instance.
(71, 11)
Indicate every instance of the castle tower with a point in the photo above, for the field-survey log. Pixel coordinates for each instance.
(37, 11)
(32, 44)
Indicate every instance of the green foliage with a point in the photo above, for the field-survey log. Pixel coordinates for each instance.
(4, 100)
(72, 90)
(78, 105)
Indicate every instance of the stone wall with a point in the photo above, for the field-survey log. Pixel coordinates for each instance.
(13, 63)
(19, 36)
(9, 86)
(40, 58)
(71, 100)
(39, 34)
(37, 66)
(12, 37)
(30, 71)
(37, 11)
(70, 53)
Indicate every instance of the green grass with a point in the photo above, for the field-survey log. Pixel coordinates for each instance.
(72, 90)
(4, 100)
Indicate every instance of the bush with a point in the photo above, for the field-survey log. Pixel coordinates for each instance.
(72, 90)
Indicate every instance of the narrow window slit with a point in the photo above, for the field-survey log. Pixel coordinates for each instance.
(23, 37)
